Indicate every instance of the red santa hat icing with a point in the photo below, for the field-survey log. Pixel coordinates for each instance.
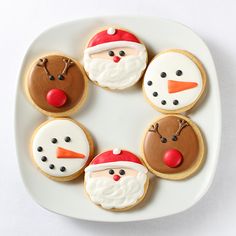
(112, 38)
(116, 158)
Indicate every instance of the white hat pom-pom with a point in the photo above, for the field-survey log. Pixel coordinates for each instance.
(116, 151)
(111, 31)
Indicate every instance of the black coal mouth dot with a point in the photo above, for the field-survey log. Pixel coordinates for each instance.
(155, 94)
(163, 102)
(51, 166)
(39, 149)
(43, 158)
(175, 102)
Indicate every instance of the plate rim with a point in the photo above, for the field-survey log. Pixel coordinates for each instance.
(219, 116)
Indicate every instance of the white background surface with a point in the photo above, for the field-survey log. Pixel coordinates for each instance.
(21, 21)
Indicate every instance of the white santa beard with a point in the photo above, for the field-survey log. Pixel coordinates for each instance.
(115, 194)
(113, 75)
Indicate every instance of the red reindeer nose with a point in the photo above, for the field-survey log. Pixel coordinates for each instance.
(116, 177)
(56, 97)
(116, 59)
(172, 158)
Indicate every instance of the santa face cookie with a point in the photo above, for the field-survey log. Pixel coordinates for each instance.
(61, 148)
(116, 180)
(56, 85)
(174, 81)
(173, 147)
(115, 59)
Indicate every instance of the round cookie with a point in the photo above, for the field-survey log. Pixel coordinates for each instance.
(116, 180)
(115, 58)
(61, 148)
(56, 85)
(174, 81)
(173, 147)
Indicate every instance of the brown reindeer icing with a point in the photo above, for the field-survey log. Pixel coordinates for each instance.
(56, 84)
(171, 145)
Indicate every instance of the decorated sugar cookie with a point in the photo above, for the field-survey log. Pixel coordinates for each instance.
(56, 85)
(174, 81)
(116, 180)
(61, 148)
(115, 58)
(173, 147)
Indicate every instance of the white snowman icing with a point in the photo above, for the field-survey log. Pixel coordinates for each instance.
(173, 81)
(70, 138)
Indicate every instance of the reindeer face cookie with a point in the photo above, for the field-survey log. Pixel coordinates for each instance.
(173, 147)
(115, 59)
(61, 148)
(56, 85)
(174, 81)
(116, 180)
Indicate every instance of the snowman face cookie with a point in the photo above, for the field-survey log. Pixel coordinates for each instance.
(174, 81)
(115, 59)
(56, 85)
(173, 147)
(61, 148)
(116, 180)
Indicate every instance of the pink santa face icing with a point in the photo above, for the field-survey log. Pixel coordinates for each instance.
(116, 179)
(114, 173)
(115, 59)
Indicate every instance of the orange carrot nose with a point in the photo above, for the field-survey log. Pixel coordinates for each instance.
(178, 86)
(65, 153)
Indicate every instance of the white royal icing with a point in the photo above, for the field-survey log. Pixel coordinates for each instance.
(111, 31)
(169, 63)
(113, 75)
(115, 194)
(116, 151)
(59, 129)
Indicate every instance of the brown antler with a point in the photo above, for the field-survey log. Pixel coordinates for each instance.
(154, 128)
(182, 124)
(43, 63)
(68, 63)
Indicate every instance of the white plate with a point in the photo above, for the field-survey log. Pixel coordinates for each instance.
(118, 119)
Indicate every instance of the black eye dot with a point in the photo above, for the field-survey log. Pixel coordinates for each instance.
(39, 149)
(149, 83)
(174, 138)
(122, 53)
(111, 172)
(54, 140)
(155, 94)
(163, 140)
(175, 102)
(111, 53)
(63, 168)
(67, 139)
(43, 158)
(163, 102)
(163, 74)
(51, 77)
(179, 72)
(122, 172)
(60, 77)
(51, 166)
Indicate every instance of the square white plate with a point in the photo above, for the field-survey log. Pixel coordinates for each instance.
(118, 119)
